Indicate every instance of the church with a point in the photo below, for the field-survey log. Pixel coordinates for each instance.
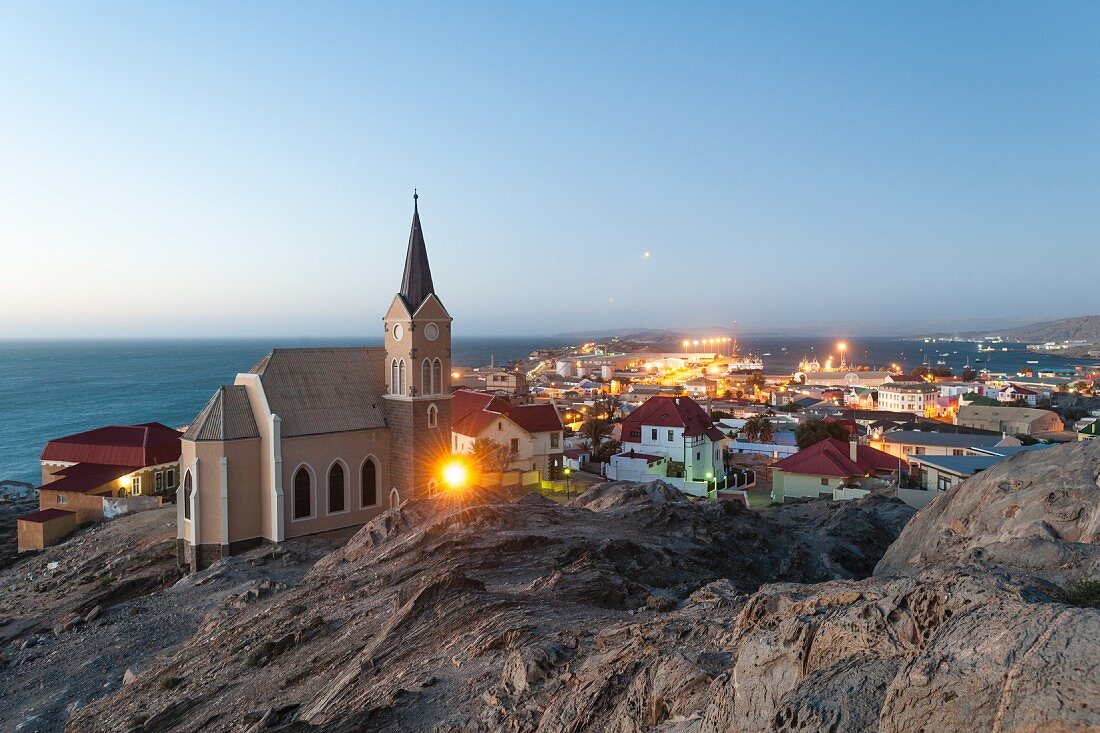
(315, 439)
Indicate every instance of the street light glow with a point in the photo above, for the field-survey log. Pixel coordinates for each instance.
(455, 475)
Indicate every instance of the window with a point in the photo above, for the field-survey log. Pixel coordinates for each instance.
(514, 445)
(824, 482)
(653, 434)
(919, 450)
(170, 478)
(437, 376)
(555, 440)
(669, 436)
(395, 498)
(944, 483)
(303, 502)
(956, 452)
(500, 426)
(62, 499)
(402, 389)
(433, 416)
(187, 495)
(426, 385)
(135, 486)
(698, 455)
(336, 489)
(394, 377)
(158, 481)
(369, 486)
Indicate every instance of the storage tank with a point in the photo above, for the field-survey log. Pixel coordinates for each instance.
(565, 368)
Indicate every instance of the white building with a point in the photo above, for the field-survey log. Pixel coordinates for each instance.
(918, 398)
(677, 441)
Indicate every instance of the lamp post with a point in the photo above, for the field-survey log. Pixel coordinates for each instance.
(568, 482)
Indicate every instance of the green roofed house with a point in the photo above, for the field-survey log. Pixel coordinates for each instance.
(1090, 431)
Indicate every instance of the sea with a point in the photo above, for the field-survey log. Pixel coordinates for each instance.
(54, 388)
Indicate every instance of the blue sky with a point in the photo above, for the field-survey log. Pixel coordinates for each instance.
(247, 168)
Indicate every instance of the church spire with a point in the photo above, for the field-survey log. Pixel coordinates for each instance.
(416, 284)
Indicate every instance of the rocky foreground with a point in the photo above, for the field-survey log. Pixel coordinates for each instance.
(636, 610)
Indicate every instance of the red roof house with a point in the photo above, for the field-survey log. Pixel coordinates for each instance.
(670, 412)
(135, 446)
(832, 457)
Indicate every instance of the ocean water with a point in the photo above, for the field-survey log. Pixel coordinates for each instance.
(54, 388)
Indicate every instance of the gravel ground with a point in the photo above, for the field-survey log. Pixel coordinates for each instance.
(116, 602)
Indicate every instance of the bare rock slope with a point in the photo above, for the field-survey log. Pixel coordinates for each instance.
(637, 610)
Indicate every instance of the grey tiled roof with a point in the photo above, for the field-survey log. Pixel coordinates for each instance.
(325, 390)
(226, 416)
(949, 440)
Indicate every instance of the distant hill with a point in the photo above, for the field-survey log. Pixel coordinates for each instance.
(1083, 328)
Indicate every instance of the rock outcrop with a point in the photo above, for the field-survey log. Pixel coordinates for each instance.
(637, 610)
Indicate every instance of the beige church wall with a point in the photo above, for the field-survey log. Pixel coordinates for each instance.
(243, 473)
(209, 486)
(318, 452)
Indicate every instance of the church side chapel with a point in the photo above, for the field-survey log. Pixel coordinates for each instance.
(315, 439)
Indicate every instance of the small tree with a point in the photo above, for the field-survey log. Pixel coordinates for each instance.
(815, 431)
(758, 429)
(490, 455)
(969, 375)
(755, 380)
(605, 451)
(595, 431)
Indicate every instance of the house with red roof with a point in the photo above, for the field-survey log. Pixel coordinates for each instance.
(682, 439)
(829, 465)
(79, 471)
(532, 433)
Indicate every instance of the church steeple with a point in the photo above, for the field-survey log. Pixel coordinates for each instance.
(416, 284)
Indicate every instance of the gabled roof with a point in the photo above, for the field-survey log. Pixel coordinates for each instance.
(946, 440)
(226, 416)
(472, 412)
(325, 390)
(416, 283)
(44, 515)
(671, 412)
(84, 477)
(134, 446)
(1093, 428)
(832, 457)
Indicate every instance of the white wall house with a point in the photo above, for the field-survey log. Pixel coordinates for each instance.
(917, 398)
(679, 430)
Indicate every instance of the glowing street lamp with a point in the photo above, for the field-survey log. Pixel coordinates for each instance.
(568, 481)
(455, 475)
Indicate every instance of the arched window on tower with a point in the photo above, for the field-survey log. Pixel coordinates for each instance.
(303, 502)
(437, 377)
(433, 416)
(336, 489)
(401, 378)
(426, 385)
(369, 487)
(394, 383)
(188, 491)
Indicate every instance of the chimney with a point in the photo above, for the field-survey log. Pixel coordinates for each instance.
(853, 449)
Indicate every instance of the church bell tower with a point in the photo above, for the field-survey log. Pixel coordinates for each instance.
(418, 375)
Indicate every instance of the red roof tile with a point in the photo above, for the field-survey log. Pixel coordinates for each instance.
(832, 457)
(670, 412)
(472, 412)
(137, 446)
(44, 515)
(85, 477)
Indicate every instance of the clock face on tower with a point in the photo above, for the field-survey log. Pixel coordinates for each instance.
(398, 332)
(431, 332)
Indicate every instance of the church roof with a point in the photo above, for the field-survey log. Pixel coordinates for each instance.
(325, 390)
(416, 283)
(226, 416)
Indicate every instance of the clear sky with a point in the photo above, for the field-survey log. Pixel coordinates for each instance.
(247, 168)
